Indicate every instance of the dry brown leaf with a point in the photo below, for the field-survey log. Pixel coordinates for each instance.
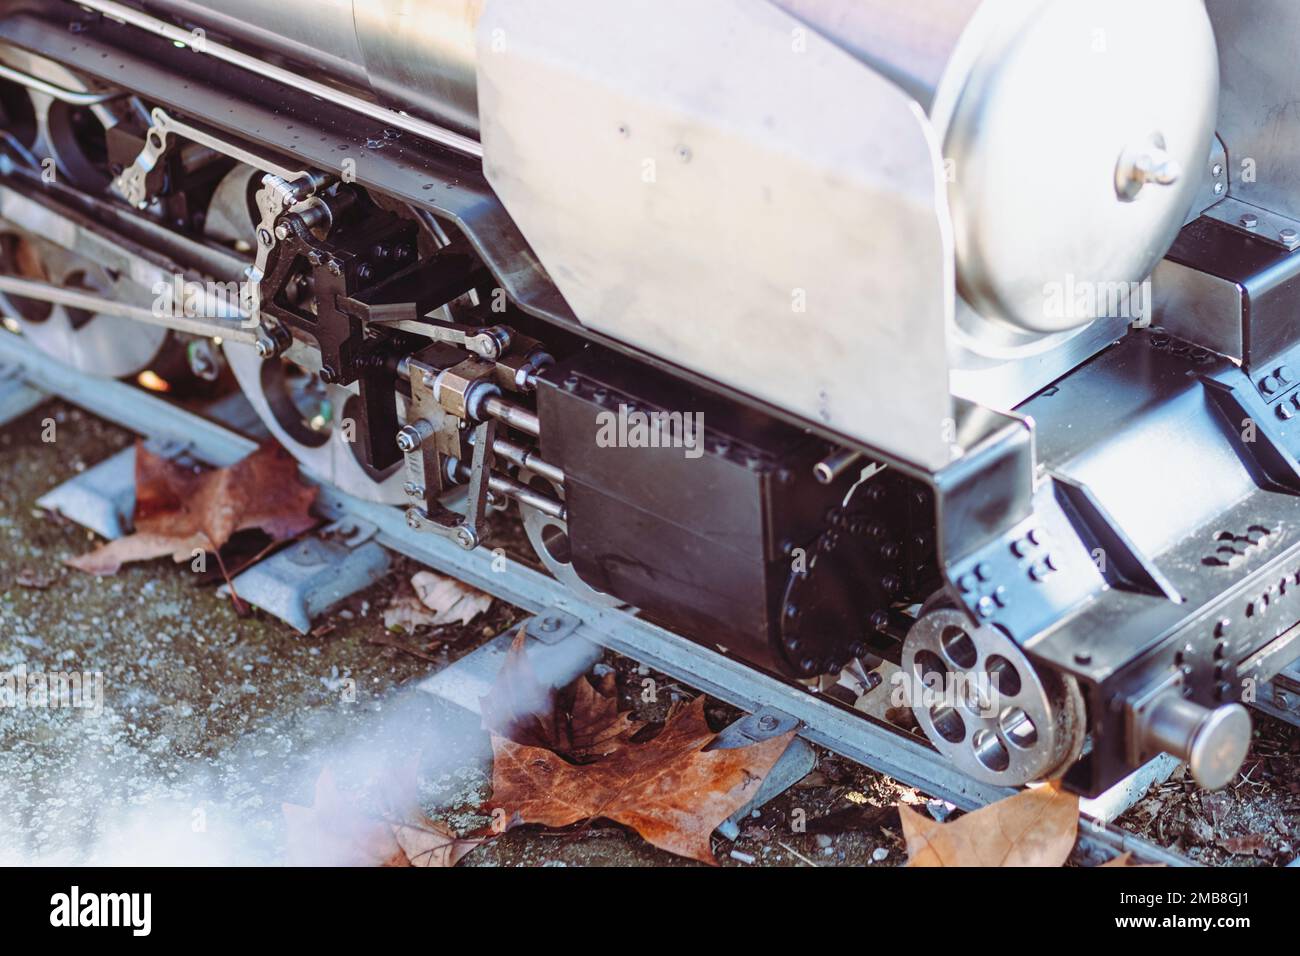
(436, 600)
(1036, 827)
(179, 511)
(451, 601)
(669, 789)
(1253, 844)
(334, 831)
(583, 723)
(429, 843)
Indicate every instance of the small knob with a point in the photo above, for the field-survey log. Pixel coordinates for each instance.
(1212, 741)
(1146, 162)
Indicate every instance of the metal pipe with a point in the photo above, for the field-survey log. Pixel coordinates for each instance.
(528, 458)
(513, 415)
(835, 464)
(430, 131)
(71, 97)
(502, 485)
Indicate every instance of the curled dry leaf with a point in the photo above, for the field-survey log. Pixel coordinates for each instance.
(437, 600)
(179, 511)
(1036, 827)
(582, 723)
(670, 789)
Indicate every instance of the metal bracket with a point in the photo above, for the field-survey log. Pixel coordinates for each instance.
(1251, 220)
(16, 396)
(551, 627)
(301, 582)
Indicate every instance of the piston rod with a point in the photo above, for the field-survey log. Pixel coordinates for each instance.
(528, 458)
(501, 485)
(98, 305)
(513, 415)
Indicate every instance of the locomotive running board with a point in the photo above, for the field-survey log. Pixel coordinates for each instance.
(849, 733)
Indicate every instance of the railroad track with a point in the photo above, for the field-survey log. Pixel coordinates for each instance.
(28, 377)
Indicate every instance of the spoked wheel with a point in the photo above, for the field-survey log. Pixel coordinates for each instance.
(549, 537)
(96, 344)
(985, 706)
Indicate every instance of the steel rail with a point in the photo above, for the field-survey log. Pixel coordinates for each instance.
(851, 734)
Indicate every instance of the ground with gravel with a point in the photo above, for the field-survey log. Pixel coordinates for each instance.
(212, 720)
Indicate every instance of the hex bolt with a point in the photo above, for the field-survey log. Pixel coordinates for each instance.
(1250, 220)
(1288, 235)
(414, 435)
(767, 723)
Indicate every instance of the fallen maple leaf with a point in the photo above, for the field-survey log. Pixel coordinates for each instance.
(179, 511)
(1036, 827)
(582, 724)
(669, 789)
(429, 843)
(437, 600)
(334, 831)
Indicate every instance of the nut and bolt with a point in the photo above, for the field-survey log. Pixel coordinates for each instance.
(549, 624)
(768, 723)
(408, 439)
(1288, 235)
(1250, 220)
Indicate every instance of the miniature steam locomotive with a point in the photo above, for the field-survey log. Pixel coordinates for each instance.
(957, 336)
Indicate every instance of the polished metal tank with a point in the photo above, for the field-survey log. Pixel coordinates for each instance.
(415, 54)
(1074, 134)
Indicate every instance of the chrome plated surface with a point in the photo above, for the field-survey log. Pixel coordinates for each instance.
(985, 706)
(389, 117)
(1067, 129)
(720, 186)
(1258, 119)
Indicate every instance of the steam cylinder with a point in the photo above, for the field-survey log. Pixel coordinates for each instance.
(1074, 135)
